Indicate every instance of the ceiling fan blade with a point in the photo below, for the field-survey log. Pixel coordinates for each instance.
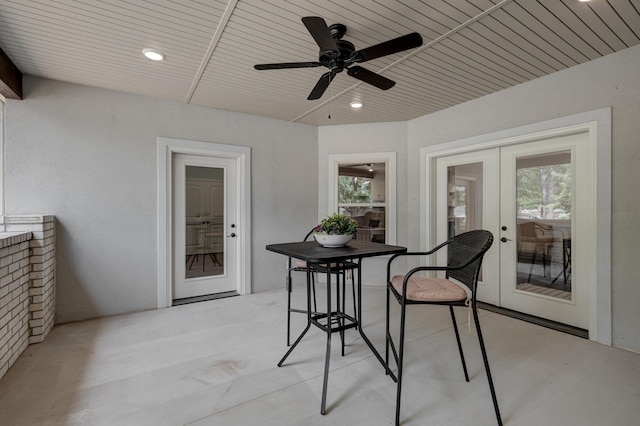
(320, 33)
(371, 77)
(321, 86)
(396, 45)
(287, 65)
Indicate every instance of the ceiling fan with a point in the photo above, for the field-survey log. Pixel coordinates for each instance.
(338, 55)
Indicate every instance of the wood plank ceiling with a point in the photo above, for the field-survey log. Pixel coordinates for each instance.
(471, 48)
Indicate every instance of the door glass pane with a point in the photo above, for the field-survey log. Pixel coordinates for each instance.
(362, 194)
(464, 206)
(543, 217)
(204, 221)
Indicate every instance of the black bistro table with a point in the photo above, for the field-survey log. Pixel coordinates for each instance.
(334, 321)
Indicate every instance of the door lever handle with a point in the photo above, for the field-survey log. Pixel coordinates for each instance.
(233, 234)
(505, 239)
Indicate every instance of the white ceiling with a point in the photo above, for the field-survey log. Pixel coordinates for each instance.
(471, 48)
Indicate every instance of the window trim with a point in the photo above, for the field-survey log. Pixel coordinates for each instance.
(2, 161)
(389, 158)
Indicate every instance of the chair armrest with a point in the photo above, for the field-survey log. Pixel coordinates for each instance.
(418, 253)
(414, 253)
(427, 268)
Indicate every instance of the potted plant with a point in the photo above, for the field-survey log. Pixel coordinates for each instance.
(335, 230)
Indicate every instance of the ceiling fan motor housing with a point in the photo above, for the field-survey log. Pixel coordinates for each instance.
(334, 60)
(337, 30)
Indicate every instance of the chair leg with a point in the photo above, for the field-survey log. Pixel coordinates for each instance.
(386, 335)
(340, 306)
(328, 353)
(194, 257)
(486, 365)
(390, 349)
(288, 282)
(353, 292)
(313, 289)
(533, 260)
(455, 328)
(400, 360)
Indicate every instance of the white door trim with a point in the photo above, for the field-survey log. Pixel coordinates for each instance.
(598, 124)
(166, 148)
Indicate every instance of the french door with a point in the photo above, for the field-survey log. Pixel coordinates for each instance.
(467, 199)
(537, 200)
(204, 225)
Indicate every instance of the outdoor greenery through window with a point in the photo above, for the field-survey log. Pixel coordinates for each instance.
(544, 206)
(544, 190)
(362, 195)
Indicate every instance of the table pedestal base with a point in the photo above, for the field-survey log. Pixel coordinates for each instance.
(332, 322)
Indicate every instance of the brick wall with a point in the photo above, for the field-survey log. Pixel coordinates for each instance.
(14, 298)
(27, 284)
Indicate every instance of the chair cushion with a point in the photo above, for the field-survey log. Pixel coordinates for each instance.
(429, 289)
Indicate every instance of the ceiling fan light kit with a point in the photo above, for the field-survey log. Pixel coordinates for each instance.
(337, 55)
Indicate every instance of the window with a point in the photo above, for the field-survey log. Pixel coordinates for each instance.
(1, 158)
(363, 186)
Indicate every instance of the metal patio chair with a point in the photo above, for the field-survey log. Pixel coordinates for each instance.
(464, 253)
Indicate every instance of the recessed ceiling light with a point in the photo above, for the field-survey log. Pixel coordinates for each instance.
(356, 104)
(153, 54)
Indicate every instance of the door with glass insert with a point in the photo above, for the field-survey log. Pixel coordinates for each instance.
(537, 200)
(466, 198)
(205, 226)
(546, 214)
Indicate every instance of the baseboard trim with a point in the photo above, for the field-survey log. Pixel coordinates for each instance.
(569, 329)
(187, 300)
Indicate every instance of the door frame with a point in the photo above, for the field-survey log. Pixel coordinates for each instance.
(166, 148)
(598, 125)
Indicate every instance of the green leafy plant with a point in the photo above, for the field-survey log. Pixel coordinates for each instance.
(336, 224)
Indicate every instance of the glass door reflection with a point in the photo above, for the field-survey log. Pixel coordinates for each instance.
(204, 225)
(464, 198)
(543, 216)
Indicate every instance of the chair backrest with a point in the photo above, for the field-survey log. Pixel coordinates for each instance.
(469, 246)
(533, 230)
(309, 235)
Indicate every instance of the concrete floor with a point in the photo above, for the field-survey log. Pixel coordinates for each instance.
(214, 363)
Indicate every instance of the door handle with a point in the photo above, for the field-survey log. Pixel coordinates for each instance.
(233, 234)
(504, 239)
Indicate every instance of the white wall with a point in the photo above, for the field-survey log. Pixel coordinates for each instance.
(88, 156)
(610, 81)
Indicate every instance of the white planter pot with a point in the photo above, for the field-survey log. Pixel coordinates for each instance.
(332, 240)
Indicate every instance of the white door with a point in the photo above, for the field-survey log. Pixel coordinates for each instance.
(535, 198)
(204, 226)
(467, 200)
(548, 220)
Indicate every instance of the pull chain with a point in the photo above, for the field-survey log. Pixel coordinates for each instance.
(329, 117)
